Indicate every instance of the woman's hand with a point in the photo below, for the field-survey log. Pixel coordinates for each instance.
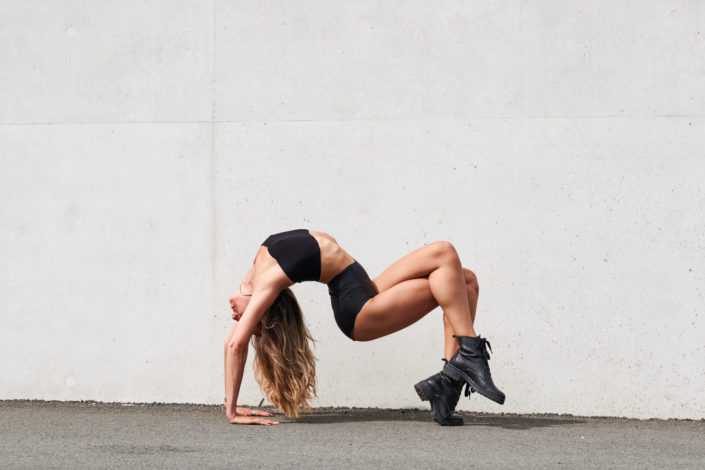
(248, 416)
(239, 419)
(248, 412)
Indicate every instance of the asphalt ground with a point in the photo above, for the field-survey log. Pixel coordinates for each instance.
(86, 435)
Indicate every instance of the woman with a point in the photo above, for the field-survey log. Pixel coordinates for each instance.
(265, 310)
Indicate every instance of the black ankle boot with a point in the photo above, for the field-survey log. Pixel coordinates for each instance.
(469, 363)
(443, 393)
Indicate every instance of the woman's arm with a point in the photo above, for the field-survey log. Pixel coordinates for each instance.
(235, 366)
(236, 354)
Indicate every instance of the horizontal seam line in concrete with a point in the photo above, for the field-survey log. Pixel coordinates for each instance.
(225, 121)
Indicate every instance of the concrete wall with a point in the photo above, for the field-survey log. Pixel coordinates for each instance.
(147, 148)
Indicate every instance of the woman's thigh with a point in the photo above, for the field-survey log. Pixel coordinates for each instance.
(417, 264)
(394, 309)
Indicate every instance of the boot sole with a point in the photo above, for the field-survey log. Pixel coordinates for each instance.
(456, 373)
(447, 422)
(423, 395)
(420, 391)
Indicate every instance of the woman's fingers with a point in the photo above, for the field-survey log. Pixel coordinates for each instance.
(267, 422)
(252, 420)
(249, 416)
(249, 412)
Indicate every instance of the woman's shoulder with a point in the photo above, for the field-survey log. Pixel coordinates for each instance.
(267, 270)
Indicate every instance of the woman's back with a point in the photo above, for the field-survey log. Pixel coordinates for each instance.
(303, 255)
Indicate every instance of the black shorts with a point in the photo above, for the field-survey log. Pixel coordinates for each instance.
(349, 291)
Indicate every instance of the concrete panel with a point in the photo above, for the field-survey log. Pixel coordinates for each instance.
(85, 61)
(106, 272)
(608, 58)
(318, 60)
(586, 235)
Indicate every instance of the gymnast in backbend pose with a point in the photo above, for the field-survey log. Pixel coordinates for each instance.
(265, 309)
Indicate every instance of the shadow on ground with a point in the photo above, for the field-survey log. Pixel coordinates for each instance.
(317, 416)
(354, 415)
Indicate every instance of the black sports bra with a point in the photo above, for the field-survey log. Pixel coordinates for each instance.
(297, 253)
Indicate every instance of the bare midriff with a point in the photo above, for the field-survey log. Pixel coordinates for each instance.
(333, 258)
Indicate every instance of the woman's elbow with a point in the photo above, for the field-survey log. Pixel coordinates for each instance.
(233, 346)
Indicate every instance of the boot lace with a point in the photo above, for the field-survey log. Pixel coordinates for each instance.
(484, 346)
(484, 353)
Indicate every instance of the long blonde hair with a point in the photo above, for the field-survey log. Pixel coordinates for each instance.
(284, 365)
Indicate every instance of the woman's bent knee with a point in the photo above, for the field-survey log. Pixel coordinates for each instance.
(445, 251)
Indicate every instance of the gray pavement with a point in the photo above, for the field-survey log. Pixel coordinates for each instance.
(60, 435)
